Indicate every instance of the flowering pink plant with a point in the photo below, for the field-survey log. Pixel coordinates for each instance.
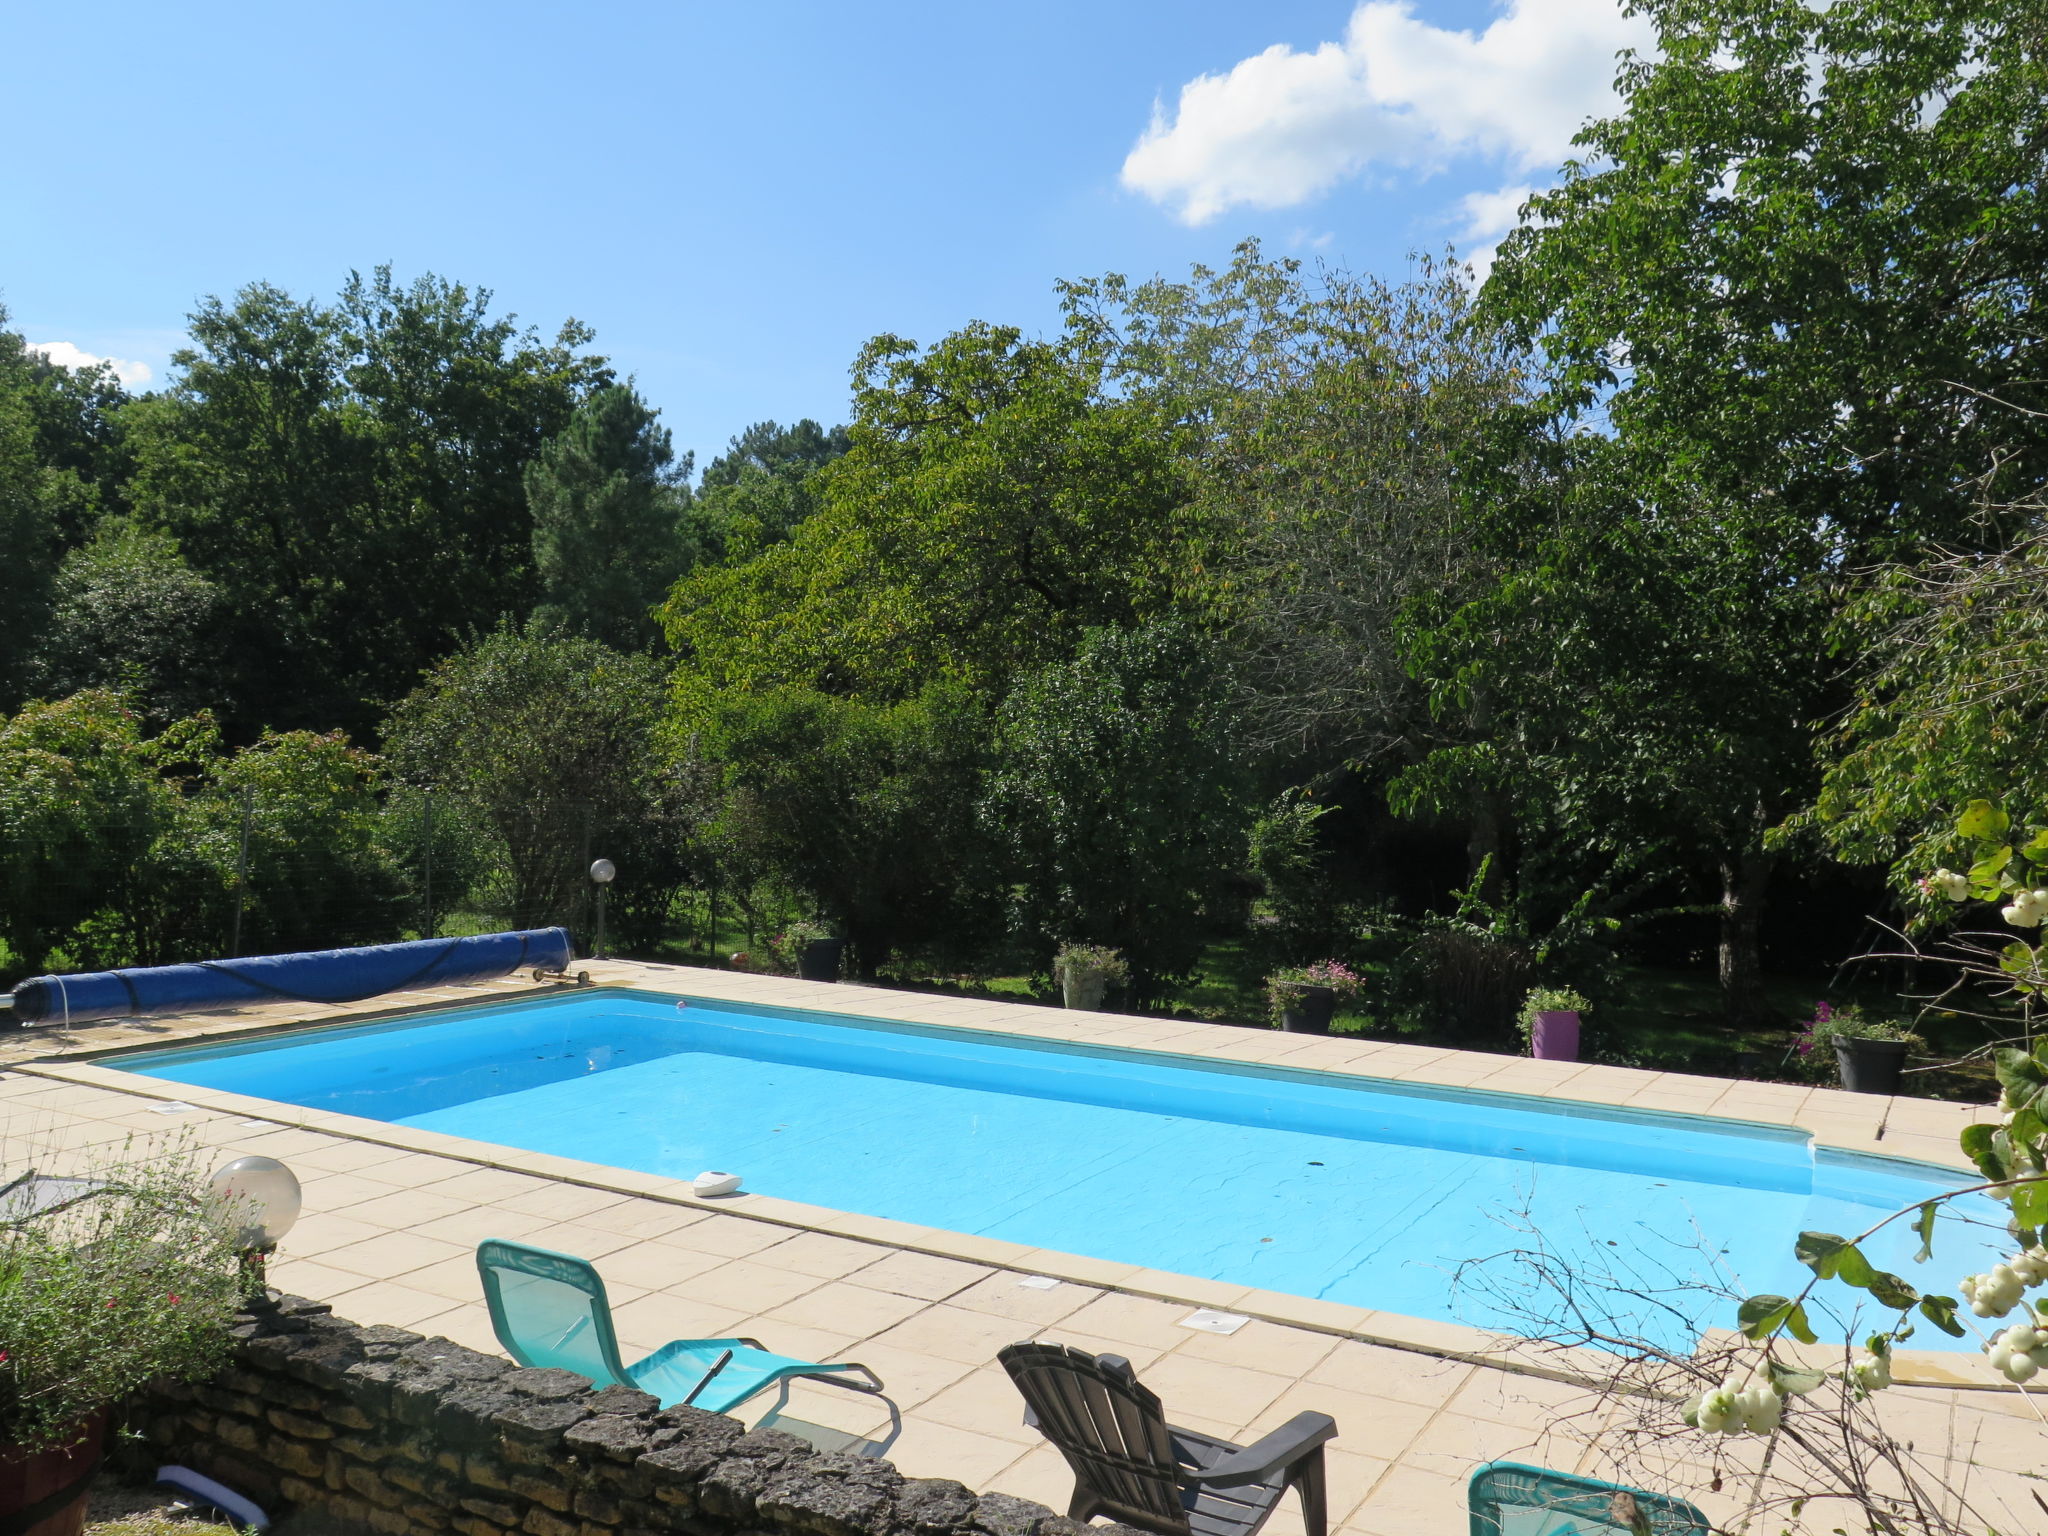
(1334, 974)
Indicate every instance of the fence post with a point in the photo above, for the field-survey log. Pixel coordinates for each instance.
(242, 872)
(427, 882)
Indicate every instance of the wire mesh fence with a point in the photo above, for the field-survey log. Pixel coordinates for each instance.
(219, 874)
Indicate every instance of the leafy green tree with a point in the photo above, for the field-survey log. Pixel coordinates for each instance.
(1781, 281)
(351, 477)
(607, 498)
(997, 502)
(1120, 800)
(551, 738)
(866, 810)
(52, 431)
(763, 485)
(82, 800)
(129, 614)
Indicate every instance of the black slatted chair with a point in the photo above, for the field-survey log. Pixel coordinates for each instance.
(1133, 1466)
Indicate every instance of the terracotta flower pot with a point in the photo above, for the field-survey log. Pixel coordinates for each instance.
(1554, 1036)
(48, 1487)
(1308, 1010)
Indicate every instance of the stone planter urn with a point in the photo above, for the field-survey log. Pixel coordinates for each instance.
(47, 1488)
(819, 959)
(1870, 1066)
(1554, 1035)
(1308, 1010)
(1083, 989)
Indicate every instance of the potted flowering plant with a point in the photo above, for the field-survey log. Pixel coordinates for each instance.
(1868, 1053)
(1085, 971)
(1549, 1022)
(810, 949)
(1303, 998)
(108, 1280)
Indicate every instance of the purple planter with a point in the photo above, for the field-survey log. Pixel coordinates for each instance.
(1555, 1036)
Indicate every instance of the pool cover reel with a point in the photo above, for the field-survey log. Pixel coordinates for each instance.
(318, 976)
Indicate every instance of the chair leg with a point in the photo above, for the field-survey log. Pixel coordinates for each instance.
(1082, 1505)
(1307, 1477)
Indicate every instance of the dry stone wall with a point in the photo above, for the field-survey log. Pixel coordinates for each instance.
(384, 1431)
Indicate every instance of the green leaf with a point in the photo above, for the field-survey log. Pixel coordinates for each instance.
(1761, 1316)
(2030, 1203)
(1822, 1253)
(1800, 1329)
(1988, 872)
(1941, 1311)
(1792, 1381)
(2035, 850)
(2020, 1075)
(1982, 821)
(1980, 1145)
(1924, 1225)
(1890, 1290)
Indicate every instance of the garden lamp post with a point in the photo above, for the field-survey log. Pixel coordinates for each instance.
(601, 873)
(261, 1197)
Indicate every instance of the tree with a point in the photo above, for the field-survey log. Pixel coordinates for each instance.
(607, 498)
(351, 477)
(549, 737)
(53, 455)
(129, 614)
(82, 799)
(1118, 795)
(866, 810)
(763, 486)
(1780, 284)
(996, 504)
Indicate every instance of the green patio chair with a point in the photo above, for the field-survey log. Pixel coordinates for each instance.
(549, 1309)
(1506, 1498)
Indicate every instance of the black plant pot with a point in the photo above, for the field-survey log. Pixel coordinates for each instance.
(1870, 1066)
(1308, 1010)
(818, 960)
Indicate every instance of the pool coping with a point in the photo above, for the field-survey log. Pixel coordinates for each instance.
(1836, 1127)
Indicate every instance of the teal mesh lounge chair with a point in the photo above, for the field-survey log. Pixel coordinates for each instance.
(549, 1309)
(1508, 1499)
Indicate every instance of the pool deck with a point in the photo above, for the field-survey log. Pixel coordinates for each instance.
(394, 1214)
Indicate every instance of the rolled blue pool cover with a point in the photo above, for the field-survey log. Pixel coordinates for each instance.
(316, 976)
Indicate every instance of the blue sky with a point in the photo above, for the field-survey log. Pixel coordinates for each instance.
(738, 195)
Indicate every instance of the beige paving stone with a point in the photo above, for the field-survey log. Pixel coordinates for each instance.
(910, 1376)
(751, 1286)
(821, 1254)
(308, 1277)
(1409, 1502)
(402, 1306)
(852, 1309)
(926, 1449)
(592, 1243)
(653, 1266)
(487, 1184)
(391, 1255)
(1403, 1375)
(1141, 1356)
(1002, 1294)
(562, 1202)
(986, 1402)
(1229, 1395)
(732, 1236)
(470, 1227)
(920, 1274)
(323, 1232)
(1261, 1346)
(468, 1326)
(952, 1333)
(1132, 1319)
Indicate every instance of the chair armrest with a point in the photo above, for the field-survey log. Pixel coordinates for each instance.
(1257, 1462)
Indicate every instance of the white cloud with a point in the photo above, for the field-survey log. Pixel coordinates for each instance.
(65, 355)
(1282, 127)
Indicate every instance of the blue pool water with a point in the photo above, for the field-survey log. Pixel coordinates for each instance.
(1356, 1191)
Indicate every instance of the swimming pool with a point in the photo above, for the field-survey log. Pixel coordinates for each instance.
(1316, 1184)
